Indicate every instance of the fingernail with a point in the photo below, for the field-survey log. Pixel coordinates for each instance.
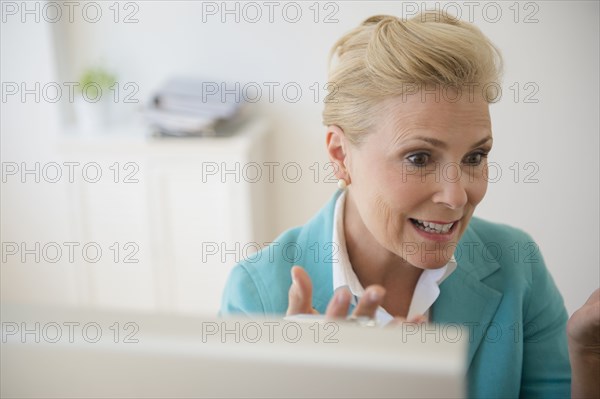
(374, 296)
(339, 296)
(293, 278)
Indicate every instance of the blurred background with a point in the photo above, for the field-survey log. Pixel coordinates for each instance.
(101, 209)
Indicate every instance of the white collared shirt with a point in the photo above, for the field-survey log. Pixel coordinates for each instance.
(426, 291)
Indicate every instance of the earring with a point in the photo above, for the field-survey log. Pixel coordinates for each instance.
(342, 184)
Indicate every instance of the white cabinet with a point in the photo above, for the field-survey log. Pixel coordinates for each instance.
(171, 215)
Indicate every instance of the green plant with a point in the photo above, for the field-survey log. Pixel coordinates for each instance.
(96, 81)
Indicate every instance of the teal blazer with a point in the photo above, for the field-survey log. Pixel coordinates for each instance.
(501, 292)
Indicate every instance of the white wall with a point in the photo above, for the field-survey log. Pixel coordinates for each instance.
(558, 55)
(30, 212)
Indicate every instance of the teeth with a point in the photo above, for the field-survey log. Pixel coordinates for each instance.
(434, 227)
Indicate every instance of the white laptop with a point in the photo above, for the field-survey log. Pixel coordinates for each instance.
(52, 353)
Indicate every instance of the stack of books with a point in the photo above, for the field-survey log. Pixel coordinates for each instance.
(193, 107)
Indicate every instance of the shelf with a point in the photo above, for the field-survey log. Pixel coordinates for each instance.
(136, 138)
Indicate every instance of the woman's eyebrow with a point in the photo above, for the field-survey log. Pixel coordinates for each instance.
(439, 143)
(483, 141)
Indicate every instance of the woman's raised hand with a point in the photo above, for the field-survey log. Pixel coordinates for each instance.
(300, 299)
(583, 330)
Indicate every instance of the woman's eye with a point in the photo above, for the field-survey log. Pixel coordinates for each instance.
(419, 159)
(475, 159)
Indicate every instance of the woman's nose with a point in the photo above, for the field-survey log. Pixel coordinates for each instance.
(451, 191)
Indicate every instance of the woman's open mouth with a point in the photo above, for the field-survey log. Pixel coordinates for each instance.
(440, 228)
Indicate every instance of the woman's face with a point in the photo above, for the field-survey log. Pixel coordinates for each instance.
(424, 163)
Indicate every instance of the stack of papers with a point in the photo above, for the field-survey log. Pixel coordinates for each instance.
(193, 107)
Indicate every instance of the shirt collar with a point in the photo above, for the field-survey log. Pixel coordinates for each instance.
(427, 288)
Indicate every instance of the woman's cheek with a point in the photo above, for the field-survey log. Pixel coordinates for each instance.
(478, 191)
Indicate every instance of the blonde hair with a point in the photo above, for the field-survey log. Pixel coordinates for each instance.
(385, 55)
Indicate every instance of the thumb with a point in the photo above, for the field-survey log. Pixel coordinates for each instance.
(300, 293)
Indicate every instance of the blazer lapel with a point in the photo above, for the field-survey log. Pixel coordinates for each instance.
(467, 301)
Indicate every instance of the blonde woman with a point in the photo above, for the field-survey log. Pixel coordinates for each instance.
(409, 130)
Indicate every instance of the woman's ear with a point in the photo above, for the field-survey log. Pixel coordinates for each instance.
(337, 148)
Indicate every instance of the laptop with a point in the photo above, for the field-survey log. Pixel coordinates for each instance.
(78, 353)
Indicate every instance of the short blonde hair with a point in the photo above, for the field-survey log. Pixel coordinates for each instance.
(386, 55)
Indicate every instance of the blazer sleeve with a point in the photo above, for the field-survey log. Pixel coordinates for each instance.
(241, 294)
(546, 367)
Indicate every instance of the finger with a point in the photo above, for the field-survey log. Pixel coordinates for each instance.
(595, 297)
(370, 301)
(416, 319)
(339, 304)
(419, 319)
(396, 321)
(300, 293)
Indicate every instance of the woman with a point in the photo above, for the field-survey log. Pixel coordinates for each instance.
(409, 130)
